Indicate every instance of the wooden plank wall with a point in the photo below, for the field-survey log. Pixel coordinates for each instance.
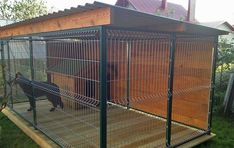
(81, 59)
(149, 61)
(192, 79)
(101, 16)
(149, 76)
(64, 83)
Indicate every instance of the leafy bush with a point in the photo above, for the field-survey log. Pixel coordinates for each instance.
(225, 66)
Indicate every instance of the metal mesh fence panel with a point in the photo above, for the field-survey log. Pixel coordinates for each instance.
(18, 59)
(192, 84)
(65, 84)
(62, 72)
(137, 88)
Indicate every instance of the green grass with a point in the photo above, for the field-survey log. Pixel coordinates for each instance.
(13, 137)
(223, 127)
(10, 135)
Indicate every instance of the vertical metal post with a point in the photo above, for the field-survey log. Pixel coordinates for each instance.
(103, 88)
(215, 54)
(128, 73)
(9, 71)
(3, 68)
(170, 89)
(47, 64)
(32, 78)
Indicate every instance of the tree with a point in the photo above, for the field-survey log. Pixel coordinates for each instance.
(26, 9)
(5, 9)
(225, 66)
(22, 9)
(225, 57)
(226, 53)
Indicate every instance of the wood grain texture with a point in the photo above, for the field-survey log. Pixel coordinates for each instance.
(125, 128)
(149, 75)
(198, 141)
(95, 17)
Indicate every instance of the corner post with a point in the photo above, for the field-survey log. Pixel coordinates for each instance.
(9, 70)
(128, 72)
(215, 55)
(47, 61)
(32, 78)
(103, 87)
(170, 89)
(3, 68)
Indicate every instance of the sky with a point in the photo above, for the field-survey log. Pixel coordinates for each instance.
(206, 10)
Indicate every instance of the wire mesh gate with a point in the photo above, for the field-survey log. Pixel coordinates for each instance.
(118, 87)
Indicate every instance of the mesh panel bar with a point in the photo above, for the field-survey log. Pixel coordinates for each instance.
(170, 88)
(32, 100)
(213, 82)
(3, 85)
(6, 70)
(103, 88)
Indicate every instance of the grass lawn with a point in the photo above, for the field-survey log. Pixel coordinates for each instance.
(223, 127)
(12, 137)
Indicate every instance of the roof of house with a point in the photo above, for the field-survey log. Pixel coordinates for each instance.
(172, 10)
(216, 24)
(121, 17)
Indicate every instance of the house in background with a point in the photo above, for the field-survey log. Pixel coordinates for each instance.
(222, 25)
(162, 8)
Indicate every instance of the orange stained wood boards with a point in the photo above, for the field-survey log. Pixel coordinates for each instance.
(64, 83)
(149, 64)
(89, 18)
(74, 67)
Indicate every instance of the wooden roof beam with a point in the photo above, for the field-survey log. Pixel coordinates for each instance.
(94, 17)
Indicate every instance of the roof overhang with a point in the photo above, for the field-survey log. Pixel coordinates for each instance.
(218, 24)
(98, 14)
(123, 17)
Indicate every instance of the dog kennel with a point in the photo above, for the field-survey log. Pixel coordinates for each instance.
(126, 78)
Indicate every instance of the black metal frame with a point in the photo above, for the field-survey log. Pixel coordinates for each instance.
(170, 89)
(212, 90)
(32, 78)
(128, 74)
(9, 70)
(3, 64)
(103, 87)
